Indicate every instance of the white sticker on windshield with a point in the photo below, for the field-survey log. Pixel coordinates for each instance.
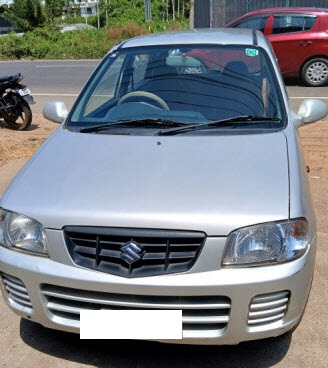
(252, 52)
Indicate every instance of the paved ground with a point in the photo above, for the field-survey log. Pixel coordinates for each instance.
(28, 345)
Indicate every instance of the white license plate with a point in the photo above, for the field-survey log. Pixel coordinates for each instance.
(24, 92)
(131, 324)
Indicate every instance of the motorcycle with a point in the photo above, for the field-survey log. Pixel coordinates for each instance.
(15, 101)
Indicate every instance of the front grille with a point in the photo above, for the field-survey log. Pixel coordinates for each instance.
(202, 316)
(16, 291)
(133, 252)
(268, 308)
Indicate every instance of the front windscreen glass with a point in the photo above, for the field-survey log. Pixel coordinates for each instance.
(183, 84)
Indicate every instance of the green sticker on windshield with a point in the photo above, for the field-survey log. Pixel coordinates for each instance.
(252, 52)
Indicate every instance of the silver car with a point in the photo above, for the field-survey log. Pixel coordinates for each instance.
(176, 182)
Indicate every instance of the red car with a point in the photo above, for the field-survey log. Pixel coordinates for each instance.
(299, 37)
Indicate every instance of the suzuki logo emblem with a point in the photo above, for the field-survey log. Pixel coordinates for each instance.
(132, 252)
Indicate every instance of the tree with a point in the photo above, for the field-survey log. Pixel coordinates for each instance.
(53, 9)
(173, 9)
(162, 10)
(25, 14)
(29, 14)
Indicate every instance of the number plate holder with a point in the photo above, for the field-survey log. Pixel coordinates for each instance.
(23, 92)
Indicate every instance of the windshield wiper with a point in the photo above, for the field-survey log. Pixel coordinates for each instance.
(153, 122)
(248, 120)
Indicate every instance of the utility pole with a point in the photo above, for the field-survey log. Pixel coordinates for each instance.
(192, 14)
(86, 11)
(106, 13)
(148, 14)
(98, 17)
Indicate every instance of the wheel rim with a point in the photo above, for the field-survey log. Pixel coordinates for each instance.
(15, 118)
(19, 120)
(317, 72)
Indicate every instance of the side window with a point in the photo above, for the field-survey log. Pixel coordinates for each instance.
(292, 23)
(254, 23)
(309, 22)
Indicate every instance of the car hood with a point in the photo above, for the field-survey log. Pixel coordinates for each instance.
(212, 183)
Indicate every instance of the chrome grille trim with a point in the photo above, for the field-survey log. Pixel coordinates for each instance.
(202, 316)
(16, 290)
(209, 320)
(268, 308)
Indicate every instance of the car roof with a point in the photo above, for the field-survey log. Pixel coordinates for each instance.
(288, 10)
(305, 10)
(206, 36)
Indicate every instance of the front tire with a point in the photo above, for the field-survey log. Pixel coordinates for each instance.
(315, 72)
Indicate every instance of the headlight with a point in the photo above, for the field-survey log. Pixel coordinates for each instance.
(22, 233)
(267, 243)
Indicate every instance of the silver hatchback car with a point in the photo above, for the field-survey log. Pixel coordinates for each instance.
(176, 182)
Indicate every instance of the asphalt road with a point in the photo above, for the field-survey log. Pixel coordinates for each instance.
(63, 79)
(51, 80)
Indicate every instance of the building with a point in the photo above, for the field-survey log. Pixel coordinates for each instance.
(5, 27)
(88, 7)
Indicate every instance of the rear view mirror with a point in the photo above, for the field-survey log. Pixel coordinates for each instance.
(183, 60)
(312, 110)
(55, 111)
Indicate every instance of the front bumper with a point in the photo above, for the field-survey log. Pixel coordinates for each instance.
(219, 306)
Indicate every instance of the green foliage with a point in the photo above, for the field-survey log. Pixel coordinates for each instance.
(25, 14)
(38, 43)
(50, 43)
(126, 18)
(73, 20)
(52, 9)
(121, 11)
(10, 47)
(170, 25)
(163, 14)
(84, 44)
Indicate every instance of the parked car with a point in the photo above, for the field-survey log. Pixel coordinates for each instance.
(174, 183)
(299, 37)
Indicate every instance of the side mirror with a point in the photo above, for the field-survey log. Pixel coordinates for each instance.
(55, 111)
(312, 110)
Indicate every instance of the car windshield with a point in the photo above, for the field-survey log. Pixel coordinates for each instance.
(181, 85)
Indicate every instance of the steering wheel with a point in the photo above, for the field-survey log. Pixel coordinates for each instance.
(149, 95)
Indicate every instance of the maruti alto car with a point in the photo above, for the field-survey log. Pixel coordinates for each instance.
(176, 182)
